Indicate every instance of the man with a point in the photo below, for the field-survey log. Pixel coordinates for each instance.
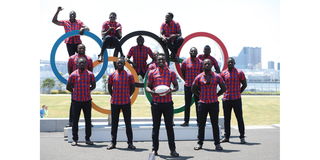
(153, 65)
(140, 55)
(171, 35)
(111, 34)
(233, 77)
(190, 68)
(206, 55)
(205, 85)
(80, 83)
(70, 25)
(162, 104)
(121, 87)
(72, 66)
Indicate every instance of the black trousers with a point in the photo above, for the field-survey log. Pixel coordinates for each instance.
(174, 45)
(72, 48)
(157, 109)
(187, 98)
(236, 105)
(111, 42)
(76, 108)
(213, 110)
(70, 113)
(115, 111)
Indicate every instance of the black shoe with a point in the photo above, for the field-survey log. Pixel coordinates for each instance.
(242, 141)
(74, 143)
(88, 142)
(198, 146)
(218, 147)
(225, 140)
(91, 125)
(185, 124)
(111, 146)
(131, 146)
(173, 124)
(174, 154)
(155, 153)
(69, 124)
(100, 58)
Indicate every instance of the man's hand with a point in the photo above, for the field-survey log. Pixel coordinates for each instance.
(59, 9)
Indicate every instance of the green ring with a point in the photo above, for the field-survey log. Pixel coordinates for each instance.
(149, 97)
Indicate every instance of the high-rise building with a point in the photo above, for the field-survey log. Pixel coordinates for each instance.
(249, 58)
(271, 65)
(278, 66)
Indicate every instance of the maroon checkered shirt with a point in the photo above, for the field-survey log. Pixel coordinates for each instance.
(213, 60)
(208, 92)
(153, 65)
(140, 56)
(232, 80)
(171, 28)
(68, 27)
(120, 87)
(106, 25)
(161, 76)
(73, 62)
(192, 69)
(81, 82)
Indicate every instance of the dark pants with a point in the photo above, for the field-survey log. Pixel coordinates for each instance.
(227, 109)
(213, 110)
(111, 42)
(157, 109)
(142, 74)
(187, 98)
(70, 114)
(174, 46)
(72, 48)
(76, 109)
(115, 111)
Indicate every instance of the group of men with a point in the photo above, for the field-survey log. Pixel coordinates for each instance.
(200, 82)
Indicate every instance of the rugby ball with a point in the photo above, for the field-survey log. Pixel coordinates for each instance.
(162, 90)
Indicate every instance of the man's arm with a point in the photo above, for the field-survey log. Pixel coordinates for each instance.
(195, 89)
(244, 85)
(93, 83)
(69, 86)
(222, 88)
(55, 17)
(217, 68)
(110, 89)
(132, 88)
(175, 86)
(83, 28)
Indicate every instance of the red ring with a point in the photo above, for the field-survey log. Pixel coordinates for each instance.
(203, 34)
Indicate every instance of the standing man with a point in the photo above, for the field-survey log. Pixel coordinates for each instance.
(206, 55)
(121, 87)
(80, 83)
(190, 68)
(111, 34)
(70, 25)
(171, 35)
(205, 85)
(140, 55)
(233, 77)
(162, 104)
(72, 66)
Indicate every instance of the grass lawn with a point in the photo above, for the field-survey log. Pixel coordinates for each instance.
(257, 110)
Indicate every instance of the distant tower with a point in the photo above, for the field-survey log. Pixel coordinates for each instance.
(249, 58)
(271, 65)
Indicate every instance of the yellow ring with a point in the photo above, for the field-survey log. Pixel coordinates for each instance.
(135, 93)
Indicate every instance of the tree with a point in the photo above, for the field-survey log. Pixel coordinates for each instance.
(104, 80)
(48, 83)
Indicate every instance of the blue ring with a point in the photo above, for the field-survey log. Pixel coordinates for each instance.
(69, 34)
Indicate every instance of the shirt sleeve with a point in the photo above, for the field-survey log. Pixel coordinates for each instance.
(196, 81)
(183, 65)
(241, 76)
(70, 79)
(131, 79)
(178, 27)
(173, 76)
(119, 27)
(149, 51)
(93, 79)
(62, 23)
(219, 79)
(70, 62)
(150, 77)
(105, 26)
(110, 79)
(131, 52)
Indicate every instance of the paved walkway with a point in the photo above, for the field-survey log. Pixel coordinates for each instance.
(263, 144)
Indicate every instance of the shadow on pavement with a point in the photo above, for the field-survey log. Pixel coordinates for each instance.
(174, 158)
(224, 150)
(248, 143)
(91, 146)
(136, 150)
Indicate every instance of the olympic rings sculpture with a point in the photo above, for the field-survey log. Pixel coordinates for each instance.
(133, 72)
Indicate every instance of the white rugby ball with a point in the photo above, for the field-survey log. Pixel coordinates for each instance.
(162, 90)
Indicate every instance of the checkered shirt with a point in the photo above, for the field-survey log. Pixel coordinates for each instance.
(208, 92)
(154, 65)
(120, 87)
(192, 69)
(171, 28)
(81, 82)
(106, 25)
(232, 80)
(73, 62)
(161, 76)
(140, 56)
(68, 27)
(213, 60)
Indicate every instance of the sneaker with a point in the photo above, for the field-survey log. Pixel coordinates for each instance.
(198, 146)
(155, 153)
(174, 154)
(242, 141)
(69, 124)
(225, 140)
(111, 146)
(74, 143)
(88, 142)
(218, 147)
(131, 146)
(185, 124)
